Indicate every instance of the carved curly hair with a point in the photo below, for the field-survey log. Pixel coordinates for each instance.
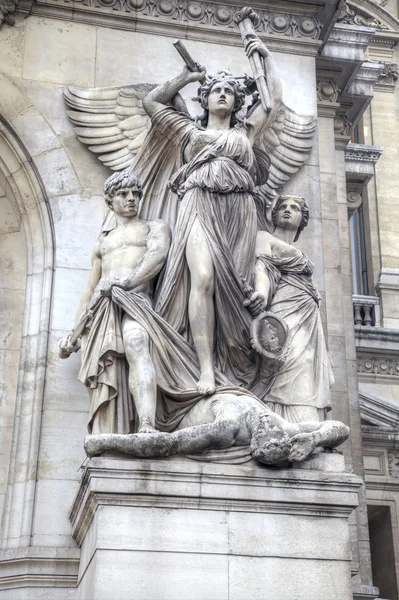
(118, 180)
(205, 89)
(304, 210)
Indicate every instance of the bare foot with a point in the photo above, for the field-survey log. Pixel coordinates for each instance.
(303, 445)
(206, 384)
(146, 427)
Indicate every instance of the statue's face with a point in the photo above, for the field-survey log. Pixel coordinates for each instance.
(221, 99)
(125, 202)
(289, 214)
(269, 337)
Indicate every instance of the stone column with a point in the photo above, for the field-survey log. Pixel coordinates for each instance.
(339, 314)
(381, 127)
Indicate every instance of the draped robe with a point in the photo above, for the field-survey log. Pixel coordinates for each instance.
(216, 187)
(306, 376)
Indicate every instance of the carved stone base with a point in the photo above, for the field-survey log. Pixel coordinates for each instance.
(177, 529)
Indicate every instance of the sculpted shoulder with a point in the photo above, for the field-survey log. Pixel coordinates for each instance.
(264, 243)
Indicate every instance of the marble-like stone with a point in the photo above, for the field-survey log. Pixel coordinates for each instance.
(33, 129)
(57, 172)
(65, 307)
(222, 532)
(74, 60)
(77, 222)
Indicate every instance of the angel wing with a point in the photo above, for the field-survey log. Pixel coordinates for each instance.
(111, 121)
(287, 142)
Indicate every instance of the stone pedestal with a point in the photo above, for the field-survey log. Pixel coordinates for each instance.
(178, 529)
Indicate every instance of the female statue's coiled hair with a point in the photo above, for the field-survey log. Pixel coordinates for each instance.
(204, 90)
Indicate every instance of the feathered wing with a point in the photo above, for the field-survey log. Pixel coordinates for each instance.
(111, 121)
(287, 142)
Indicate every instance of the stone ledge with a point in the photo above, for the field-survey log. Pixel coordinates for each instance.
(43, 567)
(187, 484)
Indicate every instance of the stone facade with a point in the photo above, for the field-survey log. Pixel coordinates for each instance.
(338, 66)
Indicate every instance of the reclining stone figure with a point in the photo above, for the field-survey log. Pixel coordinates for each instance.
(224, 420)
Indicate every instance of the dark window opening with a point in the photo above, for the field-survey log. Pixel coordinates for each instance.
(382, 551)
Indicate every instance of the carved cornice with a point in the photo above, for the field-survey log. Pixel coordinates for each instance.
(369, 13)
(385, 365)
(171, 15)
(363, 153)
(7, 8)
(351, 15)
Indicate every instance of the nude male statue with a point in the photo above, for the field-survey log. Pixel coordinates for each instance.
(224, 420)
(128, 257)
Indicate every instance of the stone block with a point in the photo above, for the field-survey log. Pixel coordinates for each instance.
(12, 50)
(69, 286)
(49, 101)
(13, 265)
(72, 63)
(63, 390)
(285, 579)
(12, 303)
(35, 132)
(61, 448)
(156, 576)
(51, 525)
(193, 530)
(77, 224)
(57, 172)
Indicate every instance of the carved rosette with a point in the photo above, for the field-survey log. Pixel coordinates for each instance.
(342, 125)
(389, 75)
(7, 8)
(327, 91)
(378, 365)
(197, 12)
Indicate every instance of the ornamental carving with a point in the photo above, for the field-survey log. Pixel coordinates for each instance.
(212, 14)
(393, 463)
(327, 91)
(342, 125)
(389, 75)
(351, 16)
(7, 7)
(363, 155)
(378, 365)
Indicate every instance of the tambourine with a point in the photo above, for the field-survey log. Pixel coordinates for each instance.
(269, 335)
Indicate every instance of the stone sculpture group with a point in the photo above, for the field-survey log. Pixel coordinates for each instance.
(200, 327)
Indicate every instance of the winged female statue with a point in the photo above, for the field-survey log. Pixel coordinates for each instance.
(213, 180)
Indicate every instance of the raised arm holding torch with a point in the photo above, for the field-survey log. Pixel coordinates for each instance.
(246, 19)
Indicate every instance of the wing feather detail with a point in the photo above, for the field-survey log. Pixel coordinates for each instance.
(110, 121)
(288, 142)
